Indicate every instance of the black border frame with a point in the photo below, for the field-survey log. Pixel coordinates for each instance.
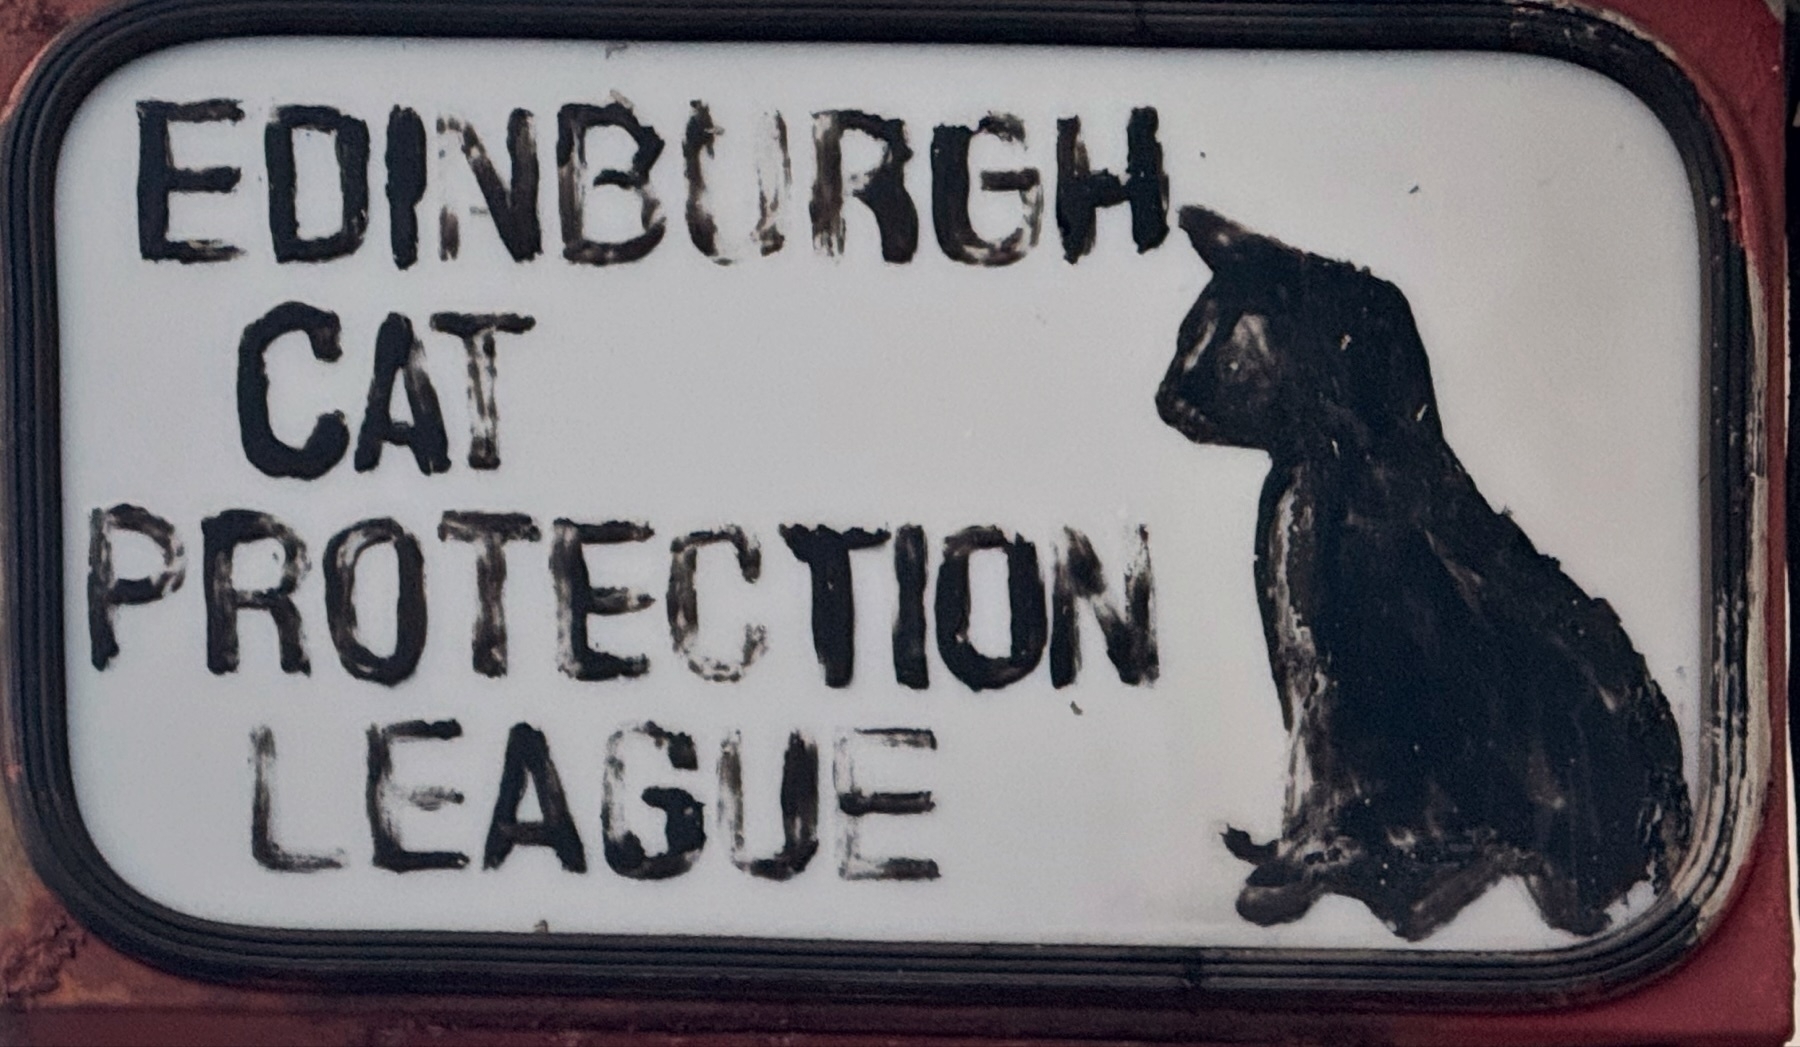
(30, 584)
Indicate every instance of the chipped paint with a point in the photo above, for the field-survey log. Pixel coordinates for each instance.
(32, 959)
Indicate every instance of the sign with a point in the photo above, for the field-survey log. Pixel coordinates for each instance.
(861, 502)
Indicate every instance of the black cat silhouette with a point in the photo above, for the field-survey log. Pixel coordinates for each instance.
(1458, 709)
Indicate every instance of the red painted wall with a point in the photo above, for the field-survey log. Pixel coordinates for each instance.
(59, 985)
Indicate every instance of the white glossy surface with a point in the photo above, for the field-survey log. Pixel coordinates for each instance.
(1536, 215)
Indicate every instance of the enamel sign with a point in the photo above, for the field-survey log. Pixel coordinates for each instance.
(846, 499)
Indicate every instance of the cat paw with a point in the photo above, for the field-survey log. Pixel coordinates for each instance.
(1288, 878)
(1242, 847)
(1278, 891)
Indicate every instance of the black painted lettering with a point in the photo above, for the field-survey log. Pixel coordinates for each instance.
(774, 177)
(341, 556)
(703, 229)
(329, 437)
(1130, 631)
(950, 194)
(1025, 596)
(221, 535)
(381, 793)
(491, 531)
(1080, 193)
(528, 756)
(158, 177)
(106, 590)
(799, 808)
(856, 804)
(910, 667)
(449, 234)
(350, 143)
(683, 602)
(398, 353)
(577, 598)
(268, 853)
(513, 207)
(882, 189)
(774, 174)
(477, 332)
(827, 553)
(684, 827)
(573, 122)
(405, 161)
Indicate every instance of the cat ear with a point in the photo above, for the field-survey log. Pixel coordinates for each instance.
(1225, 245)
(1217, 239)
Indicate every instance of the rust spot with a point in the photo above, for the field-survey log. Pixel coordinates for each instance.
(32, 959)
(41, 18)
(25, 27)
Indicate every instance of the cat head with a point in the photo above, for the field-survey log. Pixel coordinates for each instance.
(1292, 353)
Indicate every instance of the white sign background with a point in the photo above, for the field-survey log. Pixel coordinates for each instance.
(1536, 215)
